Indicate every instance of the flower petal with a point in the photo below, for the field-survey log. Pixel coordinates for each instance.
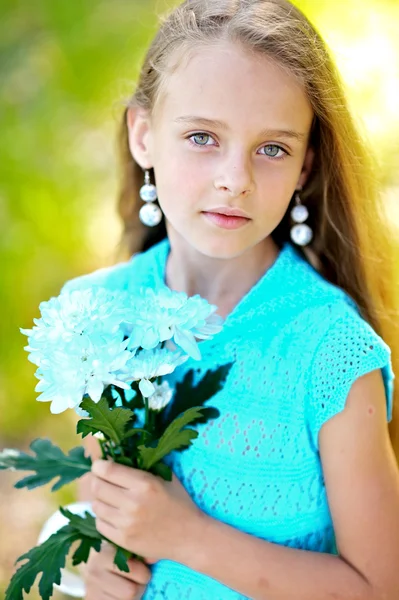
(146, 388)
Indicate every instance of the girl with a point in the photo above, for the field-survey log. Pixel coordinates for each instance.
(293, 493)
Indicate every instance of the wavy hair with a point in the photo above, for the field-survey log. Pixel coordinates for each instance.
(353, 246)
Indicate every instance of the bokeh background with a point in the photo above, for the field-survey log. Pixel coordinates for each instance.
(66, 68)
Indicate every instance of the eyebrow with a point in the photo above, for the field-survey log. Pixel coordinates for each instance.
(287, 133)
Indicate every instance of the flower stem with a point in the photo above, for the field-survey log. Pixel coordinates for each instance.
(146, 413)
(123, 397)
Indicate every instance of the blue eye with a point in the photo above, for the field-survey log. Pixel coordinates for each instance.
(202, 137)
(272, 151)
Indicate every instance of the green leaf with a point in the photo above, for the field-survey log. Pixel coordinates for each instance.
(124, 460)
(49, 558)
(137, 402)
(112, 423)
(109, 395)
(81, 554)
(48, 463)
(85, 525)
(135, 431)
(121, 558)
(175, 436)
(162, 470)
(188, 396)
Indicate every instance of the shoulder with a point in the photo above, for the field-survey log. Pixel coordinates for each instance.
(305, 290)
(139, 271)
(307, 306)
(319, 304)
(347, 349)
(114, 277)
(335, 345)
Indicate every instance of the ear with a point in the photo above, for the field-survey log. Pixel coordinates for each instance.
(140, 139)
(306, 168)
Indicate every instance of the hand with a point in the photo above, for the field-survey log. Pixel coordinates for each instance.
(143, 513)
(104, 581)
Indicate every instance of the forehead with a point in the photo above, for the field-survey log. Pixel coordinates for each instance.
(237, 86)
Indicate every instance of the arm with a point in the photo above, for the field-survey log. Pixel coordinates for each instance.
(363, 489)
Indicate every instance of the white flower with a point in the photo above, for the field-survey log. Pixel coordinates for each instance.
(166, 314)
(161, 397)
(89, 339)
(150, 364)
(79, 347)
(94, 311)
(81, 367)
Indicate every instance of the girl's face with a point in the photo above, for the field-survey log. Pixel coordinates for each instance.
(230, 130)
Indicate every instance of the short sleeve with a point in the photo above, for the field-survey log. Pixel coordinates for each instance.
(348, 349)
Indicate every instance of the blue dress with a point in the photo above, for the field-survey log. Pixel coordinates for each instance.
(297, 343)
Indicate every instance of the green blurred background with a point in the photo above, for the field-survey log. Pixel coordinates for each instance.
(66, 68)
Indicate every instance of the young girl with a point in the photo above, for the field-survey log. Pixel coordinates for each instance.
(293, 492)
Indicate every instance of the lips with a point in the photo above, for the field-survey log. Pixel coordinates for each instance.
(226, 221)
(228, 212)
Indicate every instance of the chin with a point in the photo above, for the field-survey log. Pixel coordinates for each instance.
(222, 249)
(223, 245)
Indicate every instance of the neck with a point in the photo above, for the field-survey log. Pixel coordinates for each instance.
(222, 282)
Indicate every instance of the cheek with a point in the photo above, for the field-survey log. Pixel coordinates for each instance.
(182, 181)
(276, 184)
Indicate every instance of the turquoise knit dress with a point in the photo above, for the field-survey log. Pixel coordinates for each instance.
(297, 344)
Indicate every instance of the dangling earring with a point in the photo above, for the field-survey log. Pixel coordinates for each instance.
(150, 214)
(301, 234)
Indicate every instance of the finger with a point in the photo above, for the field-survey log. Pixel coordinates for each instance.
(107, 492)
(137, 595)
(138, 572)
(140, 592)
(109, 531)
(114, 586)
(104, 561)
(96, 595)
(106, 513)
(139, 576)
(118, 474)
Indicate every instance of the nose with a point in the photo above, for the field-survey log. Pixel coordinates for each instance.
(236, 177)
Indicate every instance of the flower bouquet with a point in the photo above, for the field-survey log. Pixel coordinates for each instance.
(104, 353)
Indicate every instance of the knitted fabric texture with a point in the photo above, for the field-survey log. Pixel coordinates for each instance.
(297, 344)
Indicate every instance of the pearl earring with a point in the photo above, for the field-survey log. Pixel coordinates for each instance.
(301, 234)
(150, 214)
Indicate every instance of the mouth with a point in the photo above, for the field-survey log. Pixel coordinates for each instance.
(226, 221)
(228, 212)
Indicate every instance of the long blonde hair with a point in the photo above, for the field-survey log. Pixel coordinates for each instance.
(353, 246)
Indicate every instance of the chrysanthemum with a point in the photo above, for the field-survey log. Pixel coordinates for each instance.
(150, 364)
(78, 368)
(161, 397)
(79, 346)
(166, 314)
(91, 311)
